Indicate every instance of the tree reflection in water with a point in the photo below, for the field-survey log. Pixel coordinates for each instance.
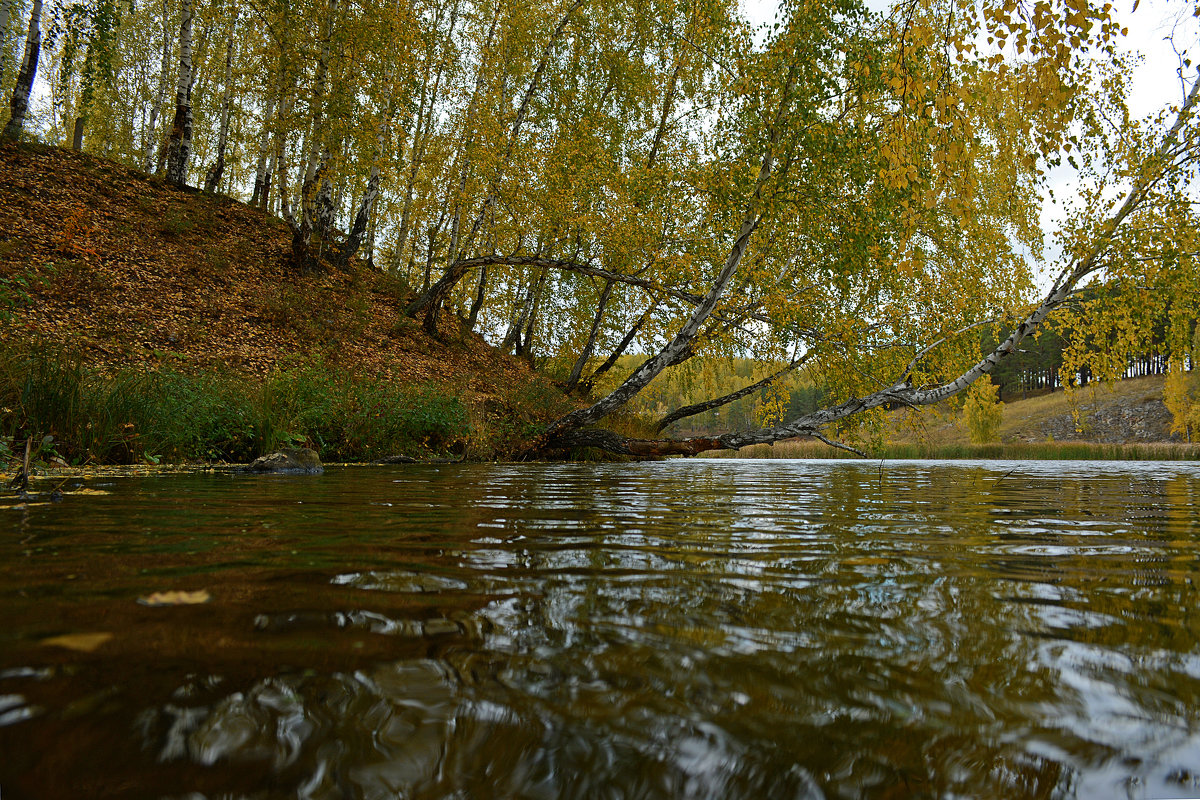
(692, 630)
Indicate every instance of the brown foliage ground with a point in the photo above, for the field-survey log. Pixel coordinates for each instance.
(128, 270)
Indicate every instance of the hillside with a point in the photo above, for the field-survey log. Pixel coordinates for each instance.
(1125, 412)
(124, 270)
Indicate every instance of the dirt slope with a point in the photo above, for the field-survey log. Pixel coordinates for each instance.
(131, 270)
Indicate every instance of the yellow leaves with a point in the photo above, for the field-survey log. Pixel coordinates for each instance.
(983, 412)
(1179, 396)
(79, 642)
(771, 408)
(175, 598)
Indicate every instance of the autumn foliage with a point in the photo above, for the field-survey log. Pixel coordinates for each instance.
(168, 324)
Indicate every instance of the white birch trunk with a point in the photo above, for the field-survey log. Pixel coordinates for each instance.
(266, 162)
(680, 347)
(160, 96)
(19, 105)
(280, 157)
(315, 200)
(363, 218)
(423, 130)
(6, 16)
(315, 154)
(181, 129)
(213, 179)
(461, 158)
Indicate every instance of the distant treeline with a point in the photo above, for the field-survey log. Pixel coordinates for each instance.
(1038, 366)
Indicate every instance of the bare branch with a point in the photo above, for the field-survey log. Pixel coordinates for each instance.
(912, 365)
(838, 445)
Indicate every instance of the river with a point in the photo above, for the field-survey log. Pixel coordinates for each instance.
(681, 629)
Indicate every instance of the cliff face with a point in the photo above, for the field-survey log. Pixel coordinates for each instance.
(1126, 412)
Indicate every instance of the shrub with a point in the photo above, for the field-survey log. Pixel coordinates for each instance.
(982, 411)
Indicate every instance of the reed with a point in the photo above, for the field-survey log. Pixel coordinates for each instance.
(1067, 451)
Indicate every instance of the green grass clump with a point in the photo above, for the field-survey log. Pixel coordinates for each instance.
(151, 414)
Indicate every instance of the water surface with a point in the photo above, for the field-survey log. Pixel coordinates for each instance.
(683, 629)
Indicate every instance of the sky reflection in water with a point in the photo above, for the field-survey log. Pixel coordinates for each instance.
(688, 629)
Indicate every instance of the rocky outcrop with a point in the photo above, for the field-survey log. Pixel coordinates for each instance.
(1139, 422)
(289, 461)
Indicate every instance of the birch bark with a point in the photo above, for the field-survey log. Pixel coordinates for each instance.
(151, 144)
(213, 178)
(266, 161)
(180, 145)
(6, 14)
(362, 217)
(19, 105)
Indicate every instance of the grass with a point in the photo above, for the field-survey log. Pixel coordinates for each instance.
(140, 414)
(1072, 451)
(938, 432)
(1023, 420)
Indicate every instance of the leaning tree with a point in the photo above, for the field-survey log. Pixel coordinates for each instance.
(864, 195)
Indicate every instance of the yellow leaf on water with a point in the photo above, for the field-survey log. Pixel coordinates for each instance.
(81, 642)
(176, 598)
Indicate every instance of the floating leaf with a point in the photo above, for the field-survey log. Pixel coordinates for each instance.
(81, 642)
(176, 598)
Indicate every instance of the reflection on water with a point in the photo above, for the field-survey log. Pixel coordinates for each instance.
(681, 629)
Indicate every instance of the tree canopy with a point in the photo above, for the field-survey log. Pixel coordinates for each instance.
(852, 191)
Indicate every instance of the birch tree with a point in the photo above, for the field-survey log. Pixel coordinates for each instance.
(19, 104)
(213, 178)
(916, 182)
(8, 17)
(180, 142)
(150, 141)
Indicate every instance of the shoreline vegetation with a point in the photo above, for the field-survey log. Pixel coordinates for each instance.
(76, 414)
(123, 341)
(997, 451)
(140, 324)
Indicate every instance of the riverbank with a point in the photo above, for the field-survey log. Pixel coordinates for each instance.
(1015, 451)
(140, 323)
(1123, 421)
(143, 325)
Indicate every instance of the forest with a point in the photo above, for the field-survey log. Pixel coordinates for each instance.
(623, 191)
